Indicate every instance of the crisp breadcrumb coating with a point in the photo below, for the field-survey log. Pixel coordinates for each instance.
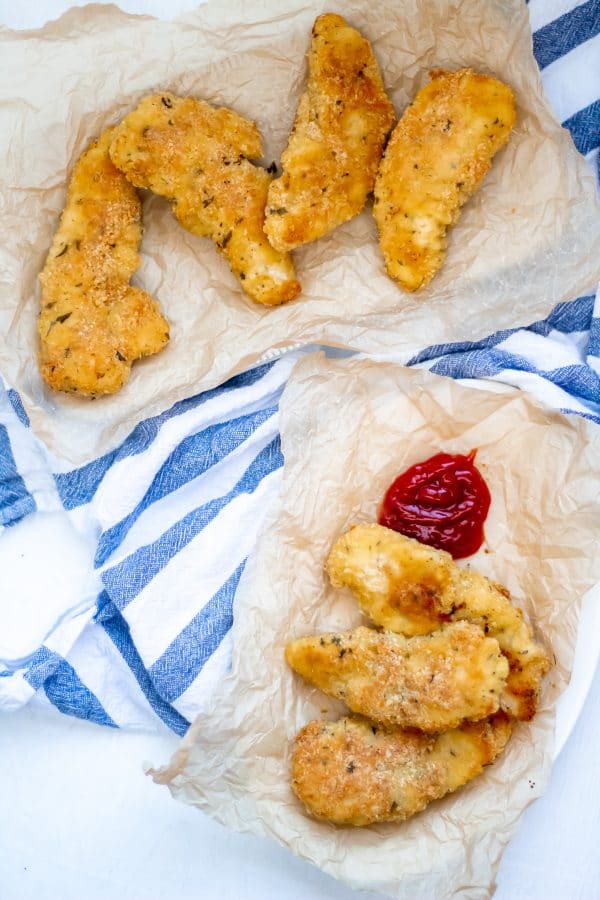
(93, 324)
(411, 588)
(353, 773)
(432, 682)
(340, 130)
(199, 158)
(435, 160)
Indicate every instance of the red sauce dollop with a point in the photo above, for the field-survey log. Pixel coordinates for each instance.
(442, 502)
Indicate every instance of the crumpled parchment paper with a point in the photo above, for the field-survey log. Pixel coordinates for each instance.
(526, 241)
(348, 428)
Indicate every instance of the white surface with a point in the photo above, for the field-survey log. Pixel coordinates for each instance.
(80, 821)
(587, 652)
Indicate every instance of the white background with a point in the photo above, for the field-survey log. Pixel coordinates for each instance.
(80, 821)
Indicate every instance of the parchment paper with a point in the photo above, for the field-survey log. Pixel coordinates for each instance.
(524, 243)
(348, 428)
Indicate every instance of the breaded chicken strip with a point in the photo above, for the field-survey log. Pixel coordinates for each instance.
(489, 605)
(432, 683)
(411, 588)
(92, 323)
(435, 160)
(352, 773)
(336, 143)
(401, 584)
(198, 157)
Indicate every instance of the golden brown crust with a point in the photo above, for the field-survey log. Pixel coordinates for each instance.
(92, 323)
(336, 143)
(402, 585)
(198, 157)
(435, 160)
(352, 773)
(386, 571)
(489, 605)
(432, 683)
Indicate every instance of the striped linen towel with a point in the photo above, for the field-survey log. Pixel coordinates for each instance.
(181, 500)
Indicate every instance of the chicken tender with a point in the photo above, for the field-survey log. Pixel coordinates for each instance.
(92, 323)
(198, 157)
(489, 605)
(401, 584)
(435, 160)
(411, 588)
(352, 773)
(336, 143)
(432, 683)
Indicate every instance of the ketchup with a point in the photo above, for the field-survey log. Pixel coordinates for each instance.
(442, 502)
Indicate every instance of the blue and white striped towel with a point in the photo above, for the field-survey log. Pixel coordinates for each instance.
(181, 500)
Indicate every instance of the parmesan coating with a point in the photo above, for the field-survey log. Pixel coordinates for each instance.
(432, 683)
(401, 584)
(198, 157)
(93, 323)
(435, 160)
(489, 605)
(352, 773)
(411, 588)
(336, 143)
